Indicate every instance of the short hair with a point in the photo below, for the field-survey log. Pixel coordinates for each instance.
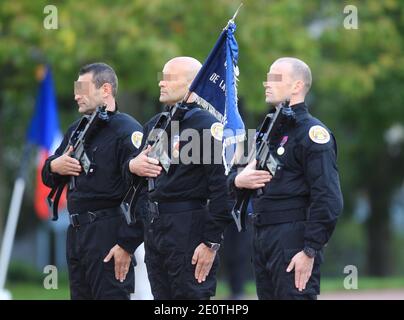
(300, 70)
(102, 73)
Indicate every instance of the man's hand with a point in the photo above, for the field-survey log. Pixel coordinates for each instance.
(303, 266)
(203, 258)
(250, 178)
(144, 166)
(122, 262)
(66, 165)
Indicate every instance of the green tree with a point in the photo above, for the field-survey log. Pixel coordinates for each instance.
(361, 92)
(357, 88)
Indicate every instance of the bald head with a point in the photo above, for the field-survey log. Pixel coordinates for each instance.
(186, 66)
(299, 70)
(288, 79)
(178, 74)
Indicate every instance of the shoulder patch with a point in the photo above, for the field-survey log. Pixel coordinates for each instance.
(136, 138)
(319, 134)
(217, 130)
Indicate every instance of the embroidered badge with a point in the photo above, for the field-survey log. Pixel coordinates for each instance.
(319, 135)
(217, 130)
(136, 138)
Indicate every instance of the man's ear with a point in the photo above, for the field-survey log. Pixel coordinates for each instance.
(107, 89)
(298, 86)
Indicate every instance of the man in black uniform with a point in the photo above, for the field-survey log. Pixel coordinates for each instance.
(183, 231)
(99, 241)
(300, 205)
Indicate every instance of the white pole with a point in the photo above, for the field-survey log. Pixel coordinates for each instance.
(142, 284)
(9, 234)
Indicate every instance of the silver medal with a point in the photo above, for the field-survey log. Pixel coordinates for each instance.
(280, 151)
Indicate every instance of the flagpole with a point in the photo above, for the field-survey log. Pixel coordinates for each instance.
(187, 95)
(234, 17)
(12, 219)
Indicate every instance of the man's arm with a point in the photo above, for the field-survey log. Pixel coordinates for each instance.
(60, 165)
(326, 200)
(129, 237)
(250, 178)
(326, 203)
(219, 213)
(140, 164)
(219, 198)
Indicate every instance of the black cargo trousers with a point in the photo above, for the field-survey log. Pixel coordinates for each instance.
(171, 236)
(90, 237)
(274, 246)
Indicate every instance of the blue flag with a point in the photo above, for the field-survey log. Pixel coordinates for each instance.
(44, 132)
(216, 89)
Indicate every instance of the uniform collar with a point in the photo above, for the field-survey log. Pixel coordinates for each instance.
(111, 113)
(189, 106)
(300, 110)
(300, 107)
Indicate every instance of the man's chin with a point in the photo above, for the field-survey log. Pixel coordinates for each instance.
(84, 110)
(271, 102)
(166, 102)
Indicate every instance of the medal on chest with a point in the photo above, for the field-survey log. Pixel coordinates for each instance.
(175, 150)
(281, 149)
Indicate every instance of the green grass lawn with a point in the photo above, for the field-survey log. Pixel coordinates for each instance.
(36, 291)
(364, 283)
(33, 291)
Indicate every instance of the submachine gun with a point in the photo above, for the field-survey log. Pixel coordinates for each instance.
(158, 151)
(86, 129)
(270, 131)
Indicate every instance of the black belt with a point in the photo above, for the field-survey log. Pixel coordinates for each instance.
(80, 219)
(264, 218)
(157, 208)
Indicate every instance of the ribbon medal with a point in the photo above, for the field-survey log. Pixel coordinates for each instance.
(281, 150)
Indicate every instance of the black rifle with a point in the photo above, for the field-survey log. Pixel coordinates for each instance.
(86, 129)
(271, 130)
(156, 140)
